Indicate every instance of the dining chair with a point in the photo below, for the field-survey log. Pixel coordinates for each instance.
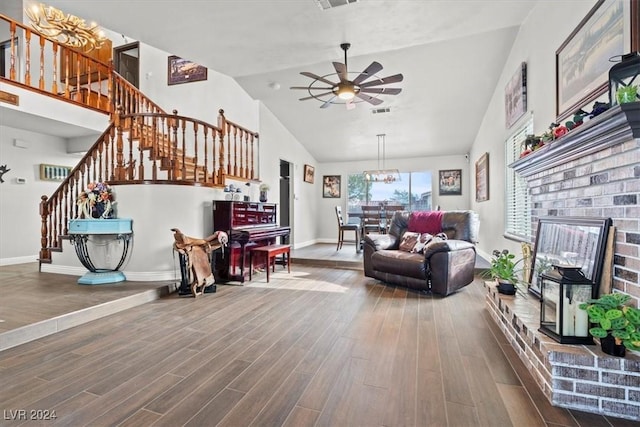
(372, 219)
(342, 227)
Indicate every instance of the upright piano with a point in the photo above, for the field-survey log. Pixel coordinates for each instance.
(247, 224)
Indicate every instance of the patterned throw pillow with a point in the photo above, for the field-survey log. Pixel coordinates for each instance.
(408, 241)
(421, 243)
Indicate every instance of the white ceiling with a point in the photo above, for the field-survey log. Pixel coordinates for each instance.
(451, 54)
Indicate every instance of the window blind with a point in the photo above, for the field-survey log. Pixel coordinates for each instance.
(517, 200)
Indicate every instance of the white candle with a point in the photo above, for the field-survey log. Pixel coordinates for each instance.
(582, 321)
(568, 316)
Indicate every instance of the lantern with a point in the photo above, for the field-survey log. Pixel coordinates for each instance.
(563, 289)
(624, 80)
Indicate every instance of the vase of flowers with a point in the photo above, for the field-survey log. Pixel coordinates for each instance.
(96, 201)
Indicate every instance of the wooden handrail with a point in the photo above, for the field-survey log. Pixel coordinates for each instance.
(43, 58)
(149, 148)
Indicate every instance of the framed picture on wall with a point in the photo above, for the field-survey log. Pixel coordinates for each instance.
(184, 71)
(515, 96)
(450, 182)
(331, 186)
(582, 61)
(482, 178)
(309, 173)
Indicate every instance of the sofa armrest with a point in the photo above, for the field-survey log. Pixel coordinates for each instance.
(381, 241)
(445, 246)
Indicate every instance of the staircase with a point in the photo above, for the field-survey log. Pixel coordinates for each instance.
(143, 144)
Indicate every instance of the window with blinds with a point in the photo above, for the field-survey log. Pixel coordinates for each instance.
(517, 200)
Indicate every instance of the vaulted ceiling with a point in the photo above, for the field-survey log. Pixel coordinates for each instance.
(451, 54)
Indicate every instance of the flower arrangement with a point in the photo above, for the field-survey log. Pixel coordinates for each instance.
(557, 130)
(97, 201)
(264, 187)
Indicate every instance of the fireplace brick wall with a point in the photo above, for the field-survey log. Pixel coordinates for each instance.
(594, 171)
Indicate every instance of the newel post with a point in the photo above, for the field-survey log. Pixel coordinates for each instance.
(222, 124)
(45, 252)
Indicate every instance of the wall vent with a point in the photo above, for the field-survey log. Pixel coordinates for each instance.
(329, 4)
(380, 110)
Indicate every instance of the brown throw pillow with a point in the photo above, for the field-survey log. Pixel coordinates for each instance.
(409, 240)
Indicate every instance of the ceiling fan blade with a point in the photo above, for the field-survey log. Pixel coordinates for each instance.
(341, 69)
(391, 79)
(370, 99)
(311, 88)
(316, 96)
(327, 103)
(316, 77)
(383, 90)
(372, 69)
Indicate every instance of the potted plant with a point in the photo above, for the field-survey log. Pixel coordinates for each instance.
(503, 270)
(264, 188)
(618, 324)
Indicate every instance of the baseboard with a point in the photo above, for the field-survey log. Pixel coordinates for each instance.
(18, 260)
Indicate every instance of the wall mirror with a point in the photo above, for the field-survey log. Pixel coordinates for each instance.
(577, 241)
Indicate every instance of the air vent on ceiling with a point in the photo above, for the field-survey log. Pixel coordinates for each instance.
(380, 110)
(328, 4)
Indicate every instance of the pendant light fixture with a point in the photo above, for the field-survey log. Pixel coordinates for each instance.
(381, 174)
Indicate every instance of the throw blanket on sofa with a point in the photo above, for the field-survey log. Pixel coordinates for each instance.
(426, 222)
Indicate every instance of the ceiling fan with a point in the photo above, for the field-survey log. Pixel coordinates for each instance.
(347, 91)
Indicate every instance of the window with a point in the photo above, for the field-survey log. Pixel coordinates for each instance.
(517, 200)
(413, 191)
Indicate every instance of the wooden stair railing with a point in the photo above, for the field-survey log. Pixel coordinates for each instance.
(39, 64)
(151, 148)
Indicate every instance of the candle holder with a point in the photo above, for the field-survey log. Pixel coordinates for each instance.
(563, 290)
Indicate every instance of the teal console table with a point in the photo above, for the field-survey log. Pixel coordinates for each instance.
(84, 231)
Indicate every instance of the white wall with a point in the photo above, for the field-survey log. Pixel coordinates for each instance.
(276, 144)
(544, 30)
(19, 203)
(326, 221)
(201, 99)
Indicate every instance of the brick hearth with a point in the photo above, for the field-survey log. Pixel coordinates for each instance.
(572, 376)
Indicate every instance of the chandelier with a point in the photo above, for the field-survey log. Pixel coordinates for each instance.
(68, 30)
(381, 174)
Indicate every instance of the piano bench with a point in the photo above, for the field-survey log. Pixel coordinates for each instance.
(271, 252)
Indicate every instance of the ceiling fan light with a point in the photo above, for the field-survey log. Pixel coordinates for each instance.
(346, 93)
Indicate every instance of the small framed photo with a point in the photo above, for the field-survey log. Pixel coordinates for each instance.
(184, 71)
(331, 186)
(482, 178)
(450, 182)
(309, 173)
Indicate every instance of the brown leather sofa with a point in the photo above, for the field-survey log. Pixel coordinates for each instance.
(444, 266)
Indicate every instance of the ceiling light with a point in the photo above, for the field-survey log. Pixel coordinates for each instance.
(346, 92)
(381, 174)
(68, 30)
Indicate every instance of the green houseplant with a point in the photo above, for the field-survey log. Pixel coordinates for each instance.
(615, 321)
(503, 269)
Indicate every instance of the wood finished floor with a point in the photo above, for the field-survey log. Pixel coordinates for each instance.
(318, 347)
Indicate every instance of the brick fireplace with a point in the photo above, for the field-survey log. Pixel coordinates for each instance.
(594, 171)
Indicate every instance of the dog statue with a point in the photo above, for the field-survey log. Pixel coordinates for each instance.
(197, 252)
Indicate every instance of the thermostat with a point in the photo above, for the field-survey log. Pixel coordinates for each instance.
(21, 180)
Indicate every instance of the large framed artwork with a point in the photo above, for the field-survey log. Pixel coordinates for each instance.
(575, 241)
(450, 183)
(515, 96)
(609, 30)
(184, 71)
(482, 178)
(331, 186)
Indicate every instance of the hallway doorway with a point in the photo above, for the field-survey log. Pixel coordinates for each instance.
(285, 198)
(126, 61)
